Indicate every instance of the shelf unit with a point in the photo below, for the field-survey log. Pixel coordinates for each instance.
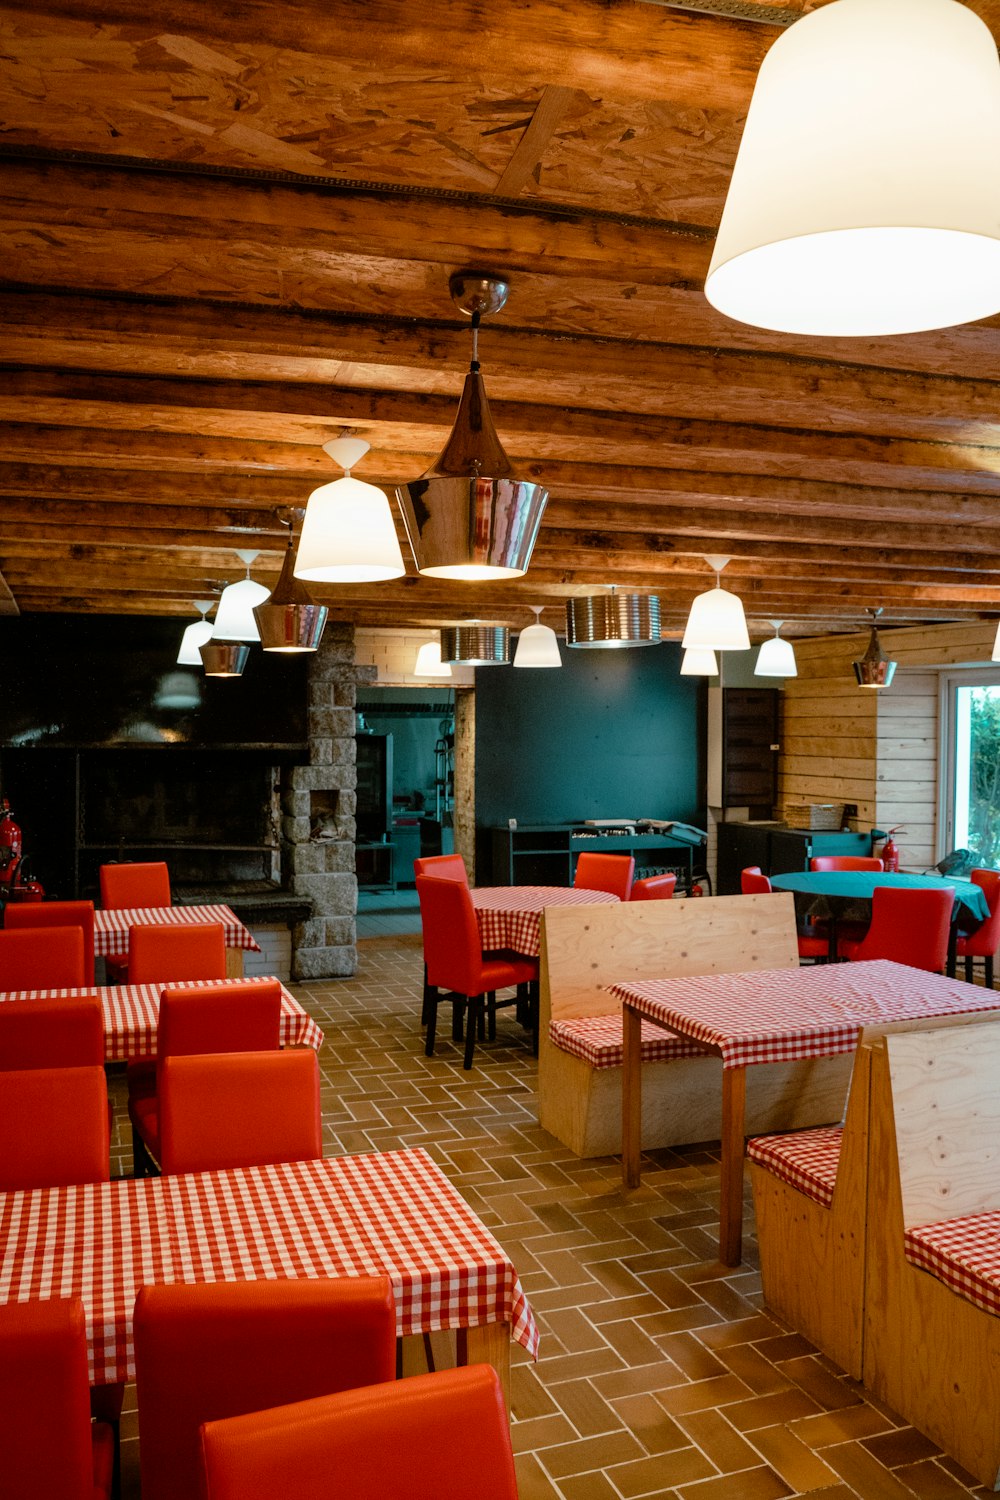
(546, 853)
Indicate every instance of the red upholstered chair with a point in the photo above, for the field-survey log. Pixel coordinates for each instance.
(456, 965)
(49, 1450)
(605, 872)
(907, 926)
(845, 862)
(811, 945)
(52, 1033)
(53, 1129)
(654, 888)
(198, 1020)
(134, 885)
(209, 1351)
(49, 958)
(442, 867)
(431, 1437)
(753, 882)
(239, 1109)
(57, 914)
(985, 940)
(168, 955)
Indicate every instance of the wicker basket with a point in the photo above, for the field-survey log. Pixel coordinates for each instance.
(817, 816)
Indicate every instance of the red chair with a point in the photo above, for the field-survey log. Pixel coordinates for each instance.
(49, 958)
(442, 867)
(57, 914)
(49, 1449)
(845, 862)
(209, 1351)
(169, 955)
(53, 1129)
(811, 945)
(909, 926)
(654, 888)
(134, 885)
(239, 1109)
(52, 1033)
(199, 1020)
(985, 940)
(605, 872)
(456, 965)
(431, 1437)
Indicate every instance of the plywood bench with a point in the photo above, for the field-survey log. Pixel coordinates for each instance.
(584, 949)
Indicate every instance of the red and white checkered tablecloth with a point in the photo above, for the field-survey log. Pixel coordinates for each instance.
(964, 1254)
(510, 916)
(781, 1015)
(394, 1214)
(131, 1012)
(111, 926)
(806, 1159)
(598, 1040)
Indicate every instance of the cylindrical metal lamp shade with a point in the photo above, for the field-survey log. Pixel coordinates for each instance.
(877, 212)
(290, 628)
(224, 658)
(476, 645)
(611, 621)
(717, 623)
(874, 670)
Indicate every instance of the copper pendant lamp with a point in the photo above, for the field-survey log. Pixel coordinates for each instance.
(290, 620)
(874, 669)
(470, 516)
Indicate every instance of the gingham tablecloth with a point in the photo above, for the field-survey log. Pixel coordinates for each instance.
(781, 1015)
(964, 1254)
(510, 916)
(394, 1214)
(111, 926)
(131, 1012)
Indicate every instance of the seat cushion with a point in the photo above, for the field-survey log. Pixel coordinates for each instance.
(598, 1040)
(806, 1159)
(144, 1113)
(964, 1254)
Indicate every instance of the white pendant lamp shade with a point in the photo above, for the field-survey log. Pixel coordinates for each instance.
(348, 535)
(698, 663)
(865, 198)
(234, 619)
(195, 636)
(996, 646)
(776, 658)
(537, 645)
(717, 621)
(429, 663)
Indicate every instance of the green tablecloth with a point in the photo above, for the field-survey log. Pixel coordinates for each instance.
(858, 885)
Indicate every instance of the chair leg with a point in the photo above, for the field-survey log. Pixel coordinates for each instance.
(428, 1004)
(142, 1163)
(491, 1018)
(472, 1027)
(431, 1025)
(988, 965)
(968, 971)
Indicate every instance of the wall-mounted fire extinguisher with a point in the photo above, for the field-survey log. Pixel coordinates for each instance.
(890, 850)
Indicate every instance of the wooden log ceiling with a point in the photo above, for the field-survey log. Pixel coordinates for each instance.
(226, 234)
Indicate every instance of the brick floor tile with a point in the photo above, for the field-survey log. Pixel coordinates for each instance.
(644, 1416)
(800, 1467)
(663, 1471)
(532, 1481)
(749, 1484)
(718, 1439)
(602, 1452)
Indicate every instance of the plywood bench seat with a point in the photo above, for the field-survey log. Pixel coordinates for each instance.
(964, 1254)
(598, 1041)
(805, 1159)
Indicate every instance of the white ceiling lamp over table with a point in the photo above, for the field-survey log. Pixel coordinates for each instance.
(716, 621)
(776, 658)
(225, 655)
(538, 644)
(698, 663)
(348, 535)
(865, 199)
(429, 663)
(195, 635)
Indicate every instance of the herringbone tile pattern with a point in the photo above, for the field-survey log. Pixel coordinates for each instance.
(659, 1373)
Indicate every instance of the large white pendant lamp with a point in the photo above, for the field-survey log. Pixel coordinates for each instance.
(234, 618)
(866, 198)
(348, 535)
(195, 635)
(776, 658)
(429, 663)
(537, 645)
(698, 663)
(716, 621)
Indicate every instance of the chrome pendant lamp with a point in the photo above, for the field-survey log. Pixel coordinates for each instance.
(290, 620)
(476, 644)
(538, 644)
(698, 663)
(469, 516)
(716, 621)
(776, 658)
(874, 670)
(195, 635)
(348, 535)
(612, 621)
(865, 199)
(224, 658)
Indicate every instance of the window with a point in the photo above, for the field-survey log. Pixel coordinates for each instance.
(970, 788)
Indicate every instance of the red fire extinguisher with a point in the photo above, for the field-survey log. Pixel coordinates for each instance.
(890, 850)
(15, 882)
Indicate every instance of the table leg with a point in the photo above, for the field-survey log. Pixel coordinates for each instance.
(234, 963)
(489, 1344)
(734, 1102)
(631, 1095)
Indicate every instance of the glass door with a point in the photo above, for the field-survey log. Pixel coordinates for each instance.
(971, 781)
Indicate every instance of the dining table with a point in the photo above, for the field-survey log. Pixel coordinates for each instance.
(392, 1214)
(769, 1016)
(510, 916)
(132, 1011)
(111, 929)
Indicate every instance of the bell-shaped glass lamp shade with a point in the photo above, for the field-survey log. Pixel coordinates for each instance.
(776, 658)
(476, 645)
(996, 646)
(716, 622)
(877, 211)
(290, 621)
(698, 663)
(612, 621)
(195, 635)
(348, 535)
(224, 658)
(429, 663)
(537, 645)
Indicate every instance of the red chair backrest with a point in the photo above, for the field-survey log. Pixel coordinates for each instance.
(239, 1109)
(53, 1128)
(208, 1351)
(845, 862)
(135, 885)
(159, 955)
(431, 1437)
(442, 867)
(45, 1433)
(909, 926)
(49, 958)
(605, 872)
(654, 888)
(753, 883)
(57, 914)
(231, 1018)
(52, 1033)
(986, 938)
(453, 949)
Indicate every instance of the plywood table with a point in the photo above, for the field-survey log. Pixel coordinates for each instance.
(111, 928)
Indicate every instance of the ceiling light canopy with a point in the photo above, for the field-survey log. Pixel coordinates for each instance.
(865, 200)
(195, 635)
(476, 645)
(611, 621)
(537, 645)
(348, 535)
(469, 516)
(698, 663)
(290, 620)
(429, 663)
(874, 670)
(716, 621)
(776, 658)
(234, 620)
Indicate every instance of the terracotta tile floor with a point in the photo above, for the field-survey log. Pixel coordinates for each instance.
(658, 1374)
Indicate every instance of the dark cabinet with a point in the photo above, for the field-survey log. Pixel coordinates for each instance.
(777, 849)
(743, 748)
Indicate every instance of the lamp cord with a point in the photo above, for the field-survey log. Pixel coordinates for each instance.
(474, 363)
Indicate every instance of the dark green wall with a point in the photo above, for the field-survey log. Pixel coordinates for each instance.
(613, 734)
